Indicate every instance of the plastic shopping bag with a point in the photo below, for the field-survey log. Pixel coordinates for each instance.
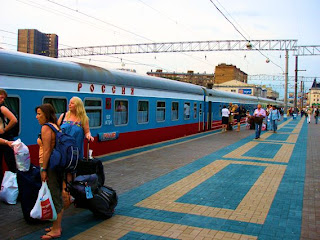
(44, 208)
(22, 155)
(9, 188)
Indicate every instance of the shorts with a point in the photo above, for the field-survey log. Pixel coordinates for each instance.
(55, 180)
(225, 120)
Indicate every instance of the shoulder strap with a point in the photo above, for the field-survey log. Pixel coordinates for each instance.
(63, 116)
(52, 127)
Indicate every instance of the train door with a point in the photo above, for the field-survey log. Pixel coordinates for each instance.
(209, 123)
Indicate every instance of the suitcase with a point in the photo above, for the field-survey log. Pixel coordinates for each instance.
(29, 184)
(77, 189)
(88, 166)
(103, 203)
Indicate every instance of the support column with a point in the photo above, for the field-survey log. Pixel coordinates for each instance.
(295, 105)
(286, 87)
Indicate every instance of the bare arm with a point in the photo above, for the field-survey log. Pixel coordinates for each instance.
(60, 119)
(12, 119)
(46, 136)
(86, 131)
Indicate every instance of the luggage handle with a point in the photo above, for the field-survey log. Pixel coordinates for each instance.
(88, 146)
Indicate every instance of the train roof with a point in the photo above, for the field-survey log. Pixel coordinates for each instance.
(30, 65)
(229, 96)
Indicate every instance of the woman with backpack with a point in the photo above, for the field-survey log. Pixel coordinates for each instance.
(54, 179)
(75, 122)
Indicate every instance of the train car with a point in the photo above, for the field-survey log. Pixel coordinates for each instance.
(126, 110)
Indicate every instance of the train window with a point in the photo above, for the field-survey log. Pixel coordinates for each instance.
(13, 103)
(59, 104)
(195, 110)
(121, 112)
(186, 110)
(143, 111)
(94, 111)
(200, 109)
(175, 111)
(161, 111)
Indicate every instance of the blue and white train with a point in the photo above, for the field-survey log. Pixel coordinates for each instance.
(126, 110)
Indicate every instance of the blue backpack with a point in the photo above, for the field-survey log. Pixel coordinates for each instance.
(65, 155)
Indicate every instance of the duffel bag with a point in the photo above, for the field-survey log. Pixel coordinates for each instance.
(79, 189)
(103, 203)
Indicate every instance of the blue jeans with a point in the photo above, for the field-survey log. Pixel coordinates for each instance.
(258, 129)
(275, 125)
(316, 118)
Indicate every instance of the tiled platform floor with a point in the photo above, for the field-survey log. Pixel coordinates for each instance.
(237, 188)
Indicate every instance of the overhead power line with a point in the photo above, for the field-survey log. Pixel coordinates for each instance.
(99, 20)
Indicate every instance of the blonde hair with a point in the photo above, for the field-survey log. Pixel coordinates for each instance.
(80, 110)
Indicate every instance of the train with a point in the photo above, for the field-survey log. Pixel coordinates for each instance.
(126, 110)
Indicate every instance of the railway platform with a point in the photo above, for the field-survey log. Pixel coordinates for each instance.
(211, 185)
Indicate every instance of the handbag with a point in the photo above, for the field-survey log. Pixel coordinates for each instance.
(9, 188)
(258, 120)
(22, 155)
(44, 208)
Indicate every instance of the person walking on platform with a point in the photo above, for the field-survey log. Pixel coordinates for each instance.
(5, 151)
(274, 117)
(46, 142)
(269, 123)
(308, 115)
(259, 114)
(225, 118)
(237, 116)
(316, 115)
(230, 120)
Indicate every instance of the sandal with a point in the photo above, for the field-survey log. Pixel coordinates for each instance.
(49, 236)
(50, 229)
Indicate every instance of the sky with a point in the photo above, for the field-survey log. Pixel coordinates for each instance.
(81, 23)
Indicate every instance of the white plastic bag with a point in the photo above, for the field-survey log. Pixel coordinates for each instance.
(44, 208)
(9, 188)
(22, 155)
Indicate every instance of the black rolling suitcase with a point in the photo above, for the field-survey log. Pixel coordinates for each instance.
(88, 166)
(29, 184)
(101, 201)
(104, 202)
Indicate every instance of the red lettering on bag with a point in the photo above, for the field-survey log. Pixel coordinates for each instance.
(46, 210)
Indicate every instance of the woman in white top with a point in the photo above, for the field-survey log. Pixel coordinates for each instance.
(225, 118)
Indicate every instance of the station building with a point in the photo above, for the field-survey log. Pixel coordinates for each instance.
(314, 94)
(202, 79)
(36, 42)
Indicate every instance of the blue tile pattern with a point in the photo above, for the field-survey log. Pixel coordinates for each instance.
(263, 150)
(225, 189)
(141, 236)
(278, 137)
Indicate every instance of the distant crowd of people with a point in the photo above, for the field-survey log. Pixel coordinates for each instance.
(261, 119)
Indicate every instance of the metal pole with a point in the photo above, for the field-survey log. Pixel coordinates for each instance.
(296, 86)
(301, 95)
(286, 87)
